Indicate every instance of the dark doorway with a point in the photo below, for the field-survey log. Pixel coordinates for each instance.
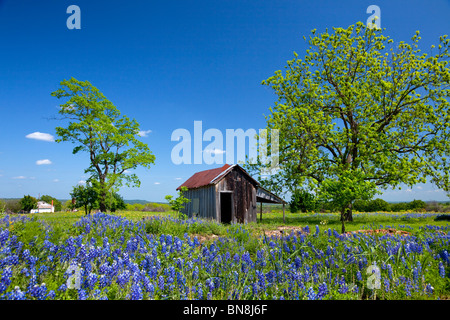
(225, 207)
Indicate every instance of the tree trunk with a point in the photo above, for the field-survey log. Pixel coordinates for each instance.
(346, 215)
(102, 200)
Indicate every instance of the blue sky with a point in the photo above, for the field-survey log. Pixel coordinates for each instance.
(166, 64)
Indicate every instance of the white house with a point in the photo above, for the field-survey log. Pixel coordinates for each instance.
(43, 206)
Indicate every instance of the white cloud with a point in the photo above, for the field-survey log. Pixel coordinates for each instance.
(157, 183)
(214, 151)
(40, 136)
(144, 133)
(81, 182)
(19, 177)
(55, 180)
(44, 161)
(419, 187)
(408, 190)
(177, 178)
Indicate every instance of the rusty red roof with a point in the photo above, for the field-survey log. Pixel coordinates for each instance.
(203, 178)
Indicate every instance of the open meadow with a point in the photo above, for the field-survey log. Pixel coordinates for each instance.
(142, 255)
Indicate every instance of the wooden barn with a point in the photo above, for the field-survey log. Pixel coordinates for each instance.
(227, 194)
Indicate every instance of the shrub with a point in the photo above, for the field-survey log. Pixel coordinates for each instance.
(27, 203)
(377, 205)
(302, 200)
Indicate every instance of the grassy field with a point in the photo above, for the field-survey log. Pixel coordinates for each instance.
(156, 255)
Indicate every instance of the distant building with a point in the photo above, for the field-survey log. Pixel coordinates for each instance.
(43, 206)
(227, 194)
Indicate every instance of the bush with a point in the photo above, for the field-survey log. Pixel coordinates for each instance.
(401, 206)
(417, 205)
(302, 200)
(12, 205)
(360, 205)
(377, 205)
(27, 203)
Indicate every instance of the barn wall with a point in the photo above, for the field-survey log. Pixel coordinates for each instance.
(205, 206)
(244, 196)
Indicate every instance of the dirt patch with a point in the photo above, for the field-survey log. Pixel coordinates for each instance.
(381, 231)
(284, 231)
(204, 238)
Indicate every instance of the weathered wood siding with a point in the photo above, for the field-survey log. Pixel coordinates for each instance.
(203, 203)
(244, 196)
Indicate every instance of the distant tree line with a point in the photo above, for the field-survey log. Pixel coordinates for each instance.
(303, 201)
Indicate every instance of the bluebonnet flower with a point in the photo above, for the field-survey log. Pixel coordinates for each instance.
(6, 279)
(389, 268)
(148, 286)
(441, 269)
(323, 291)
(82, 295)
(199, 291)
(343, 288)
(311, 294)
(91, 280)
(195, 273)
(429, 289)
(39, 292)
(17, 294)
(4, 235)
(123, 278)
(62, 287)
(136, 292)
(161, 283)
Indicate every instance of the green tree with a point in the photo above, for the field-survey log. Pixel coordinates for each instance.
(302, 200)
(178, 203)
(27, 203)
(97, 127)
(85, 197)
(377, 205)
(399, 206)
(56, 203)
(359, 114)
(417, 205)
(116, 202)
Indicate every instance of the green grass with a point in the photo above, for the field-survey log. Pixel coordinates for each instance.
(167, 223)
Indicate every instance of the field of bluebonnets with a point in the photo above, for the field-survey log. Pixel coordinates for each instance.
(122, 256)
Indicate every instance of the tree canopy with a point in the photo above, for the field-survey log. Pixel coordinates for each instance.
(361, 113)
(97, 127)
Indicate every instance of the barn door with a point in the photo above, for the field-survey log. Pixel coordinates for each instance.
(226, 207)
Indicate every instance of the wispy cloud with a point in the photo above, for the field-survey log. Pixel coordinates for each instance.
(157, 182)
(19, 177)
(55, 180)
(43, 162)
(144, 133)
(214, 151)
(177, 178)
(82, 182)
(40, 136)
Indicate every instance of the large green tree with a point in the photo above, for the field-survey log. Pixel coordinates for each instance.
(85, 197)
(27, 203)
(361, 113)
(96, 126)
